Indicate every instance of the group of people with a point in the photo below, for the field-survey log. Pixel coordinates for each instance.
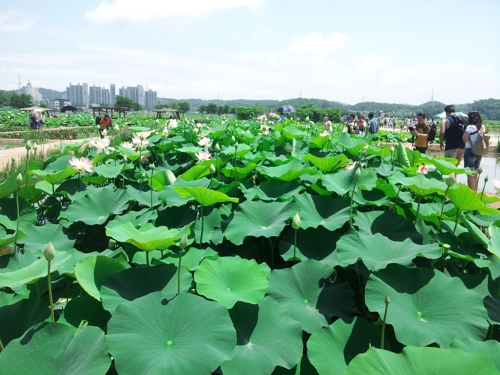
(361, 126)
(37, 122)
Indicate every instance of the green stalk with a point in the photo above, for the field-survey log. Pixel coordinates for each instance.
(1, 346)
(294, 245)
(18, 217)
(418, 209)
(456, 221)
(491, 331)
(361, 290)
(202, 226)
(382, 336)
(179, 272)
(484, 187)
(147, 258)
(49, 285)
(352, 199)
(272, 253)
(26, 184)
(151, 188)
(441, 214)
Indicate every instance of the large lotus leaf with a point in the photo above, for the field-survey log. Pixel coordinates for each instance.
(489, 348)
(137, 218)
(377, 251)
(109, 170)
(374, 197)
(328, 164)
(92, 272)
(240, 151)
(465, 199)
(88, 309)
(427, 306)
(258, 219)
(9, 186)
(211, 226)
(204, 196)
(286, 172)
(94, 209)
(27, 212)
(136, 282)
(446, 167)
(37, 238)
(494, 245)
(332, 348)
(312, 243)
(228, 280)
(291, 132)
(272, 190)
(148, 237)
(494, 266)
(145, 198)
(474, 231)
(387, 223)
(419, 184)
(55, 177)
(196, 172)
(241, 172)
(18, 317)
(186, 335)
(298, 290)
(344, 181)
(492, 304)
(332, 213)
(16, 278)
(352, 144)
(54, 348)
(419, 361)
(267, 337)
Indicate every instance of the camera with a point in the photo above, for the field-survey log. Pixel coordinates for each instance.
(412, 128)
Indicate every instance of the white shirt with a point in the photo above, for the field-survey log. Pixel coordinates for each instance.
(472, 137)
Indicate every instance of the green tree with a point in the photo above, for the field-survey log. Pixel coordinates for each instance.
(202, 109)
(211, 108)
(246, 112)
(4, 98)
(123, 101)
(488, 108)
(184, 106)
(20, 100)
(136, 106)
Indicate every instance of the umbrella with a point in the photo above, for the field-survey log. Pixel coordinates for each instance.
(35, 109)
(443, 114)
(286, 109)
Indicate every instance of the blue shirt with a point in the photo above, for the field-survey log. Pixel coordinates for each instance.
(373, 126)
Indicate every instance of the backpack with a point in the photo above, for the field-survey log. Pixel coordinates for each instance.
(480, 147)
(432, 133)
(98, 120)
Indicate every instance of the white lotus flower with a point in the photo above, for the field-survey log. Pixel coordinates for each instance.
(172, 123)
(205, 142)
(128, 145)
(83, 165)
(203, 155)
(102, 145)
(140, 143)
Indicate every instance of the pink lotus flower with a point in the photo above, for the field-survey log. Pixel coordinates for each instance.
(423, 169)
(496, 185)
(82, 164)
(203, 155)
(408, 145)
(145, 158)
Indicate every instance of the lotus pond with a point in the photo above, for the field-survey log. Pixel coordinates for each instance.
(246, 248)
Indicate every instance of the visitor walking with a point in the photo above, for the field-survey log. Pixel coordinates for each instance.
(470, 137)
(373, 124)
(421, 133)
(452, 132)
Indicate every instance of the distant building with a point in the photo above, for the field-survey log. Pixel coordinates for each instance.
(112, 94)
(78, 94)
(33, 91)
(150, 100)
(99, 96)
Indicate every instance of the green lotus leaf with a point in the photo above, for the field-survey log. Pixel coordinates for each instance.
(377, 251)
(419, 184)
(6, 240)
(109, 170)
(328, 164)
(387, 223)
(492, 304)
(240, 151)
(316, 210)
(428, 361)
(474, 231)
(267, 337)
(17, 318)
(228, 280)
(352, 144)
(9, 186)
(258, 219)
(88, 309)
(465, 199)
(241, 172)
(186, 335)
(130, 154)
(489, 348)
(298, 290)
(286, 172)
(28, 213)
(424, 306)
(55, 177)
(145, 198)
(54, 348)
(38, 237)
(344, 181)
(446, 167)
(332, 348)
(212, 222)
(148, 237)
(273, 190)
(15, 279)
(95, 209)
(204, 196)
(136, 282)
(494, 244)
(291, 132)
(136, 218)
(92, 272)
(320, 141)
(196, 172)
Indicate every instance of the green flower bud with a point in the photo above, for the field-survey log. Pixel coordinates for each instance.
(184, 242)
(212, 169)
(296, 222)
(450, 181)
(28, 145)
(19, 178)
(387, 300)
(480, 170)
(170, 176)
(49, 252)
(358, 172)
(35, 146)
(486, 179)
(217, 147)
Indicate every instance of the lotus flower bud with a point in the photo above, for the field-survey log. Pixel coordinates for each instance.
(212, 168)
(358, 172)
(28, 145)
(49, 252)
(217, 147)
(296, 222)
(19, 178)
(233, 139)
(236, 145)
(387, 300)
(486, 179)
(170, 176)
(125, 159)
(392, 149)
(35, 146)
(116, 127)
(184, 242)
(307, 118)
(480, 170)
(450, 181)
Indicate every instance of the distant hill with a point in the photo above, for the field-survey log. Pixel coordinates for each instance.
(51, 94)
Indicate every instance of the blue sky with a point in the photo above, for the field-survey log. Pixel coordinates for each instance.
(385, 50)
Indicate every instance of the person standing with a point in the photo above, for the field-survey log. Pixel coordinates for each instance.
(373, 124)
(34, 122)
(452, 132)
(327, 124)
(470, 137)
(351, 123)
(421, 133)
(407, 123)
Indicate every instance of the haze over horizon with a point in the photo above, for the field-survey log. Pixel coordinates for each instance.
(386, 51)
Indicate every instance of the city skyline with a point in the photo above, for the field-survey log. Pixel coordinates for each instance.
(386, 51)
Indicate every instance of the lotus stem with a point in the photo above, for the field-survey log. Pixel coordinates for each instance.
(17, 216)
(352, 200)
(382, 336)
(1, 346)
(491, 331)
(484, 187)
(151, 188)
(147, 258)
(49, 285)
(441, 214)
(182, 245)
(272, 253)
(294, 245)
(361, 290)
(418, 209)
(202, 226)
(456, 221)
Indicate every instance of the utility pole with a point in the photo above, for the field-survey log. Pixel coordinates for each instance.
(19, 81)
(432, 95)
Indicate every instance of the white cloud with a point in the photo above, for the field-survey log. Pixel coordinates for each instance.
(12, 21)
(147, 9)
(315, 43)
